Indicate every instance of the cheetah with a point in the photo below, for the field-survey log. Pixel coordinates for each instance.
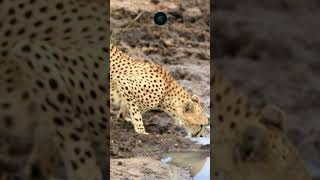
(250, 142)
(53, 89)
(137, 87)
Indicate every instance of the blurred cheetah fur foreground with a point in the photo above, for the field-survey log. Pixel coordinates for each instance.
(53, 104)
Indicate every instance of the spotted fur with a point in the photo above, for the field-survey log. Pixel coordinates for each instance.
(53, 103)
(249, 142)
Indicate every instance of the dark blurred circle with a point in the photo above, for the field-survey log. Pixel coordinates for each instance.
(160, 18)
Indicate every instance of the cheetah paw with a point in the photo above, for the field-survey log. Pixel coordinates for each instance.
(142, 132)
(145, 133)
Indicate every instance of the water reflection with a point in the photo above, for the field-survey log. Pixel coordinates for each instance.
(198, 163)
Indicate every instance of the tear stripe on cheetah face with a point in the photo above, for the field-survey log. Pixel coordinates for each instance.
(249, 142)
(144, 86)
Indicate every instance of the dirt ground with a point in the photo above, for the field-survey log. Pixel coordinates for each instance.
(270, 49)
(182, 46)
(151, 169)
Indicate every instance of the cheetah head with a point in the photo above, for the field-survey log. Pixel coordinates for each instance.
(259, 150)
(192, 116)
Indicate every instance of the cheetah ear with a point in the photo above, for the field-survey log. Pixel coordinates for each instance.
(273, 116)
(188, 106)
(195, 98)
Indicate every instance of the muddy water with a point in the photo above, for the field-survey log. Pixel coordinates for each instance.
(204, 173)
(197, 162)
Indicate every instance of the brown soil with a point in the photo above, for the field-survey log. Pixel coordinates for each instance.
(182, 46)
(164, 136)
(145, 169)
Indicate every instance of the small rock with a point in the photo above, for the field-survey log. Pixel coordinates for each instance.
(194, 12)
(168, 42)
(119, 163)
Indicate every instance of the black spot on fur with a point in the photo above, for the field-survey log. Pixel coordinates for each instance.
(35, 171)
(58, 121)
(53, 84)
(74, 137)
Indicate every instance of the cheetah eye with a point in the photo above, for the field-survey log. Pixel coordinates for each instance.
(189, 107)
(195, 99)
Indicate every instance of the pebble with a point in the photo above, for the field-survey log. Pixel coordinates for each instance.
(194, 12)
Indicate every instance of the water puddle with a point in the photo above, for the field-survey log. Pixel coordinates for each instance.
(201, 140)
(198, 163)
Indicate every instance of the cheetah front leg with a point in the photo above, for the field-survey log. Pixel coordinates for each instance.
(117, 101)
(128, 104)
(136, 118)
(124, 111)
